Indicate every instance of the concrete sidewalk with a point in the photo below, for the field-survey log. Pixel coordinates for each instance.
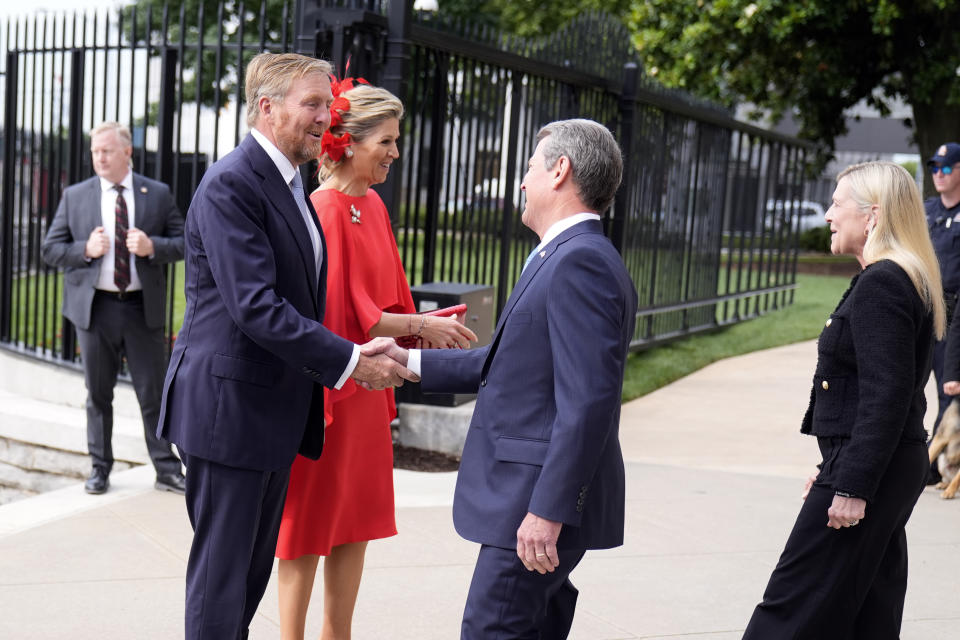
(715, 463)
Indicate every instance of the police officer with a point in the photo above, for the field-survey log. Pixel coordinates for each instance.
(943, 217)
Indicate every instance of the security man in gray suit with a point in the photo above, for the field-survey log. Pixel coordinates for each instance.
(112, 234)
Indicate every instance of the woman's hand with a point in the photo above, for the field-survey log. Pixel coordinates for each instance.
(445, 333)
(846, 512)
(808, 485)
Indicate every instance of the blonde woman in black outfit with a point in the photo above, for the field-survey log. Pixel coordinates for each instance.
(843, 573)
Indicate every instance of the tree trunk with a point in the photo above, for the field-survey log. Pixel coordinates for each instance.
(935, 122)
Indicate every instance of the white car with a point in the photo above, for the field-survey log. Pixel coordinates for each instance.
(808, 214)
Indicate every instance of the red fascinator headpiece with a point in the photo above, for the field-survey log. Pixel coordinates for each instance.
(330, 145)
(334, 146)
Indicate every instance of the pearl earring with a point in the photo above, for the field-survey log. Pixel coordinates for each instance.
(348, 152)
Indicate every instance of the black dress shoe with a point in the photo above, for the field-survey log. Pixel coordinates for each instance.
(173, 482)
(98, 482)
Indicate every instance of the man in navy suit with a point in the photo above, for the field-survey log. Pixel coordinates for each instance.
(244, 389)
(541, 477)
(113, 234)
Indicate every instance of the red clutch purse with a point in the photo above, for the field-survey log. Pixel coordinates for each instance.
(413, 341)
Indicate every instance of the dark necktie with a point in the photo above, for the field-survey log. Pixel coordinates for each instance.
(121, 263)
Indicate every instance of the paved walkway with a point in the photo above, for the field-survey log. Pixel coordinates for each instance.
(715, 464)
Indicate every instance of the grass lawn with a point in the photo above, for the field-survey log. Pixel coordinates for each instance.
(815, 298)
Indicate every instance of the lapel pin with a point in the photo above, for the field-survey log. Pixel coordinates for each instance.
(543, 254)
(143, 189)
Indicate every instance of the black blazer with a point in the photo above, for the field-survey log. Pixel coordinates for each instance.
(874, 358)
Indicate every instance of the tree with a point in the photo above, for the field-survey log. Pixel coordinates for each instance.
(211, 22)
(527, 18)
(815, 58)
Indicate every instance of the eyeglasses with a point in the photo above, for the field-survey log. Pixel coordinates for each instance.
(935, 167)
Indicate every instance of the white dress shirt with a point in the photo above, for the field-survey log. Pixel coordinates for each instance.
(287, 171)
(558, 227)
(108, 219)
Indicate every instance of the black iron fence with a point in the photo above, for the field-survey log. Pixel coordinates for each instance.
(705, 218)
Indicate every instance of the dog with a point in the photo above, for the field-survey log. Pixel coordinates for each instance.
(945, 449)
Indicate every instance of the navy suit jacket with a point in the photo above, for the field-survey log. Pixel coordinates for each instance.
(78, 214)
(544, 434)
(244, 383)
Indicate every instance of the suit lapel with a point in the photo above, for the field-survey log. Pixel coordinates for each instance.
(528, 275)
(281, 198)
(322, 280)
(591, 226)
(94, 196)
(141, 212)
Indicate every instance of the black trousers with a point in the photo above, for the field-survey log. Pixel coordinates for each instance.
(846, 584)
(507, 602)
(118, 329)
(235, 514)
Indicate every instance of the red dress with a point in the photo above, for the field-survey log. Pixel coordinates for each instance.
(347, 495)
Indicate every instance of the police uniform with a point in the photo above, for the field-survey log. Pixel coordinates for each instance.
(944, 227)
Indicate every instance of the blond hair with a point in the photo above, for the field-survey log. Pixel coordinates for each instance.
(900, 233)
(369, 108)
(271, 74)
(123, 133)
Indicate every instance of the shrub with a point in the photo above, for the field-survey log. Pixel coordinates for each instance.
(816, 239)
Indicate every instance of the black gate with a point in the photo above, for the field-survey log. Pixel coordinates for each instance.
(704, 219)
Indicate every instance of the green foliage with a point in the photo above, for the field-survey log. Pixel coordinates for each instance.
(910, 166)
(815, 58)
(816, 239)
(816, 297)
(207, 80)
(526, 17)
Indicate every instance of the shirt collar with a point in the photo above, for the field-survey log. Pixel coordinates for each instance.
(560, 226)
(284, 166)
(127, 183)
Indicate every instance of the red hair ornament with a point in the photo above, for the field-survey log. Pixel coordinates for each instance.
(330, 145)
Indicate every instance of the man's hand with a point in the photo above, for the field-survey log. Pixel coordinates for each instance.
(846, 512)
(537, 543)
(389, 347)
(378, 367)
(139, 243)
(97, 244)
(951, 388)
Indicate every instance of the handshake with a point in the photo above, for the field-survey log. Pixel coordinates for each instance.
(382, 364)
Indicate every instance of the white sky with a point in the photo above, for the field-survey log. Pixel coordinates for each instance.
(10, 8)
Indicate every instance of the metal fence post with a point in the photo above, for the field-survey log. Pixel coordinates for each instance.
(628, 116)
(395, 81)
(6, 213)
(438, 112)
(509, 197)
(168, 109)
(68, 338)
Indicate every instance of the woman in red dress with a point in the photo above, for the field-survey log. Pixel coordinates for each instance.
(338, 503)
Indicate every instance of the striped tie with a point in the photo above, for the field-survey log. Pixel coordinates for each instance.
(121, 264)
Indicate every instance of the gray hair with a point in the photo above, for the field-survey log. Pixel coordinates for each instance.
(271, 74)
(595, 158)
